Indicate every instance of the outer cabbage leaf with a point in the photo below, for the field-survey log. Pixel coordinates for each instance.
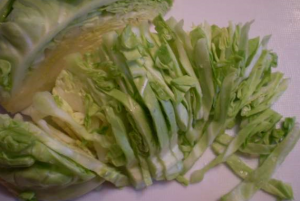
(29, 164)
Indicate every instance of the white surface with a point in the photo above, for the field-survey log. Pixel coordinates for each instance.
(277, 17)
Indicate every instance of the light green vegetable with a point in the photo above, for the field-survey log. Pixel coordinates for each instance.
(79, 157)
(112, 145)
(187, 90)
(60, 28)
(262, 123)
(204, 71)
(134, 109)
(275, 187)
(216, 126)
(261, 176)
(31, 160)
(266, 94)
(152, 89)
(130, 42)
(121, 135)
(113, 101)
(167, 160)
(247, 78)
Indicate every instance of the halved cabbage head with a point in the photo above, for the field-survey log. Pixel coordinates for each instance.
(35, 35)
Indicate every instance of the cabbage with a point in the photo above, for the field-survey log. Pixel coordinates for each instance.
(243, 80)
(36, 163)
(35, 55)
(275, 187)
(158, 107)
(261, 176)
(131, 106)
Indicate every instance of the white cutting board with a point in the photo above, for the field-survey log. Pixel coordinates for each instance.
(277, 17)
